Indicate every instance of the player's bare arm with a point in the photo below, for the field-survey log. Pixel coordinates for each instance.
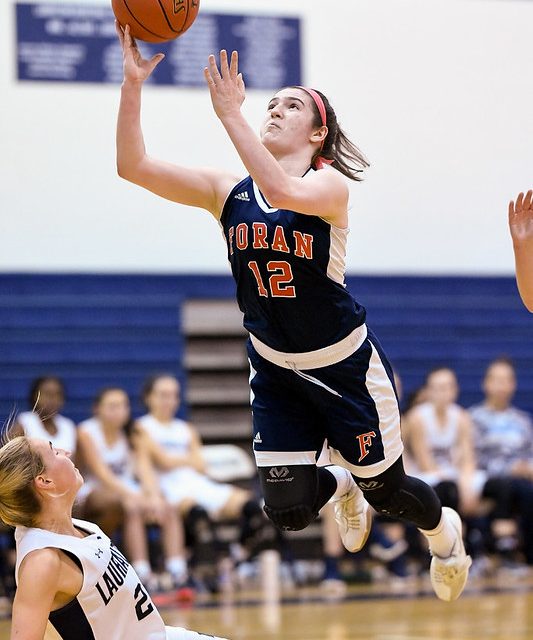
(320, 193)
(521, 228)
(44, 585)
(199, 187)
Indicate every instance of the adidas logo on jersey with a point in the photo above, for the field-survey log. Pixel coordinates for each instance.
(258, 438)
(243, 196)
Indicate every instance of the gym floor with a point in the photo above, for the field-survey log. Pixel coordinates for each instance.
(499, 609)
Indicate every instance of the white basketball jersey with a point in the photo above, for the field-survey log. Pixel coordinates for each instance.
(117, 456)
(65, 438)
(174, 437)
(112, 603)
(441, 439)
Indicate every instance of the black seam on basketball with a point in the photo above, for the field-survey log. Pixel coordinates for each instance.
(157, 35)
(166, 17)
(187, 13)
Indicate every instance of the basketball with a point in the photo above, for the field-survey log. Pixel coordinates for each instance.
(156, 20)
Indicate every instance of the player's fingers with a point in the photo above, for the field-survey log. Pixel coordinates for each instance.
(155, 60)
(527, 199)
(511, 209)
(208, 78)
(119, 31)
(234, 65)
(519, 200)
(240, 82)
(224, 66)
(213, 69)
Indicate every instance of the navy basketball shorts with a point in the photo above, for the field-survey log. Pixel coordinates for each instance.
(351, 403)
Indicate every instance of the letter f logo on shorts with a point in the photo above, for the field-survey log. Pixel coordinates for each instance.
(365, 442)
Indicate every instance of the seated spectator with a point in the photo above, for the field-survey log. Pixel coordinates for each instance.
(440, 440)
(47, 397)
(504, 447)
(113, 497)
(176, 452)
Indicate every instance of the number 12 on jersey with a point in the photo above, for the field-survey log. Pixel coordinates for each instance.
(278, 282)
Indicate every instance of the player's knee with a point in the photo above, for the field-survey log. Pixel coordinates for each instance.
(292, 518)
(290, 494)
(398, 503)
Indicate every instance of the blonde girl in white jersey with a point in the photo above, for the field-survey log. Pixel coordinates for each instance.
(118, 489)
(68, 571)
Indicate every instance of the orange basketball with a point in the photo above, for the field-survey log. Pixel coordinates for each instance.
(156, 20)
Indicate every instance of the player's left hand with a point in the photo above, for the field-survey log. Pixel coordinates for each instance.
(226, 85)
(521, 219)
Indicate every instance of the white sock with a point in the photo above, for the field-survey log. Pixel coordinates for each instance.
(142, 569)
(441, 539)
(177, 567)
(344, 480)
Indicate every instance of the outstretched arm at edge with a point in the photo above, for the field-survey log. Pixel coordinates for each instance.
(521, 228)
(199, 187)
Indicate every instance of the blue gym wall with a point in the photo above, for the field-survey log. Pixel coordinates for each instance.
(97, 330)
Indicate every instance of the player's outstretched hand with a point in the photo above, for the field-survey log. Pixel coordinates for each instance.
(136, 68)
(521, 219)
(226, 85)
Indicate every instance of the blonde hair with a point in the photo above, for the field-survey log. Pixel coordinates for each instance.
(19, 466)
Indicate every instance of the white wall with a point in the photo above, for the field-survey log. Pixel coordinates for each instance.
(438, 94)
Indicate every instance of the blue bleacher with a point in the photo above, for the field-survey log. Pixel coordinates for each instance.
(96, 330)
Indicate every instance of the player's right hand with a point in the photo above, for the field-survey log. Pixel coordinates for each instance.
(521, 219)
(136, 68)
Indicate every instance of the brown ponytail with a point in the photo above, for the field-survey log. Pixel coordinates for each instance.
(337, 147)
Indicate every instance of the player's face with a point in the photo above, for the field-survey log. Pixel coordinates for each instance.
(59, 468)
(164, 399)
(500, 383)
(289, 121)
(51, 398)
(442, 388)
(114, 409)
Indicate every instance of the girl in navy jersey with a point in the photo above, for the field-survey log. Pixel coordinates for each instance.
(68, 571)
(317, 371)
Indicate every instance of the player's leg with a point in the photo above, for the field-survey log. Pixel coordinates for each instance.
(287, 435)
(397, 495)
(368, 413)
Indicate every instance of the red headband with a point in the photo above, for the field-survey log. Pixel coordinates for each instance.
(320, 161)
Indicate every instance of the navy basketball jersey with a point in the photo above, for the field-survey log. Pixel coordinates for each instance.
(289, 268)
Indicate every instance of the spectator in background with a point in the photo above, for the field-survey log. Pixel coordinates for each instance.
(47, 397)
(440, 440)
(504, 447)
(521, 228)
(175, 450)
(111, 494)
